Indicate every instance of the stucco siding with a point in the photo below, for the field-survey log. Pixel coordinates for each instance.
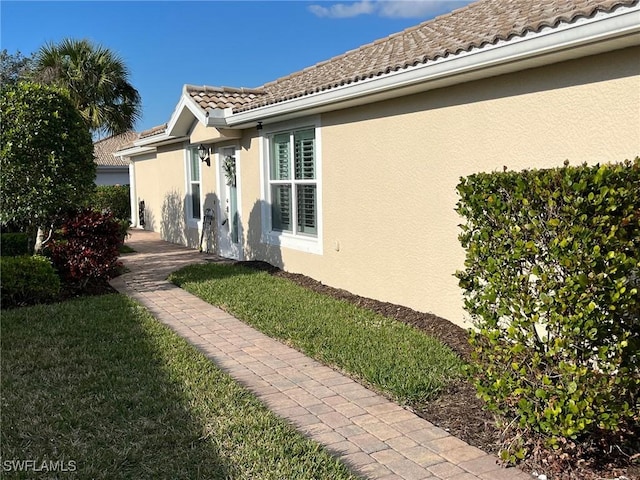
(390, 170)
(160, 182)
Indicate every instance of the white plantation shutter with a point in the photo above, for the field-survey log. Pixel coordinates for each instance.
(292, 178)
(281, 207)
(194, 183)
(307, 209)
(280, 157)
(305, 163)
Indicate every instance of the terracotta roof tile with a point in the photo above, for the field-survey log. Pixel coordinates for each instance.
(105, 148)
(474, 26)
(154, 131)
(222, 97)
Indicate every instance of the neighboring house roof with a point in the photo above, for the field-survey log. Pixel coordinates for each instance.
(105, 148)
(153, 131)
(471, 29)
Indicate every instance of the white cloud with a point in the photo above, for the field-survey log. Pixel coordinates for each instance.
(342, 10)
(413, 8)
(388, 8)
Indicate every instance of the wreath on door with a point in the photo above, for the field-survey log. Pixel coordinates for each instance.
(229, 167)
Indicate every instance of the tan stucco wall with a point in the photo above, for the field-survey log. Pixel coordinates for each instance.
(160, 182)
(202, 134)
(390, 170)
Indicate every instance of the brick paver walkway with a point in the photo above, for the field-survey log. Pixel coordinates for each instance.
(377, 437)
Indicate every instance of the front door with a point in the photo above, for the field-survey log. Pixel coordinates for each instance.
(228, 216)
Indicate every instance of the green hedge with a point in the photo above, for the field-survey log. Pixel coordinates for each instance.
(13, 244)
(27, 280)
(551, 280)
(112, 198)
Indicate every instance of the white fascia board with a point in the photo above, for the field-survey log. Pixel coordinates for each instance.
(598, 34)
(186, 107)
(133, 151)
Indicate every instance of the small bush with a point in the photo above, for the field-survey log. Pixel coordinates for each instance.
(551, 280)
(86, 247)
(112, 198)
(27, 280)
(14, 244)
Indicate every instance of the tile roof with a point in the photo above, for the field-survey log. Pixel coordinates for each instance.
(105, 148)
(222, 97)
(476, 25)
(154, 131)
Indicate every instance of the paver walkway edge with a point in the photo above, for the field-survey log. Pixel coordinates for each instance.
(376, 437)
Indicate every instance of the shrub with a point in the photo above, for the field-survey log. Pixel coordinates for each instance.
(27, 280)
(14, 244)
(86, 247)
(46, 155)
(114, 199)
(551, 279)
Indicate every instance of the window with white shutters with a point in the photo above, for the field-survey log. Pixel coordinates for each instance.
(193, 172)
(293, 197)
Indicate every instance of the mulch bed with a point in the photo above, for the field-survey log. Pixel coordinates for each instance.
(459, 411)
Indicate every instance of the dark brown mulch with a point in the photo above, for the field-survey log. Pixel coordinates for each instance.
(457, 409)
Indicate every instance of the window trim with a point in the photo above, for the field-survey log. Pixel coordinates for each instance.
(192, 222)
(294, 240)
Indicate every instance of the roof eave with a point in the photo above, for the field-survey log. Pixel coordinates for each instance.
(601, 33)
(183, 116)
(133, 151)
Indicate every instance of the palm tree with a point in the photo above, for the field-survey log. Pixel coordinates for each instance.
(97, 80)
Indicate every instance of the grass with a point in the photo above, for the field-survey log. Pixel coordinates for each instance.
(390, 356)
(98, 382)
(125, 249)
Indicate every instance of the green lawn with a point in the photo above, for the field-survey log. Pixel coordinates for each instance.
(391, 356)
(97, 383)
(123, 249)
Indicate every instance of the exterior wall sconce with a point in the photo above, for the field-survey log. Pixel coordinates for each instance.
(259, 126)
(203, 153)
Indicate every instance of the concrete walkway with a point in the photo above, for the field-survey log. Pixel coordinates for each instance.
(376, 437)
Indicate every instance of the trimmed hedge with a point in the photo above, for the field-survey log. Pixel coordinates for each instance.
(112, 198)
(27, 280)
(14, 244)
(551, 280)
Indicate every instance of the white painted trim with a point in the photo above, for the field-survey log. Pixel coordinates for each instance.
(133, 151)
(291, 240)
(190, 221)
(601, 33)
(188, 103)
(132, 195)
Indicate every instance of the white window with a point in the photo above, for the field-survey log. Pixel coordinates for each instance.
(193, 184)
(293, 189)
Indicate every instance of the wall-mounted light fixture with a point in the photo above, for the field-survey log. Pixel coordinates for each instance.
(203, 153)
(259, 126)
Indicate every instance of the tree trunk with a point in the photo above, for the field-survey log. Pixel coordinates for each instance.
(37, 248)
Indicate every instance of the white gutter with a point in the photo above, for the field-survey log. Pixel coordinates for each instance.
(133, 151)
(603, 32)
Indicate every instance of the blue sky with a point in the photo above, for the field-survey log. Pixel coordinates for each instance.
(223, 43)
